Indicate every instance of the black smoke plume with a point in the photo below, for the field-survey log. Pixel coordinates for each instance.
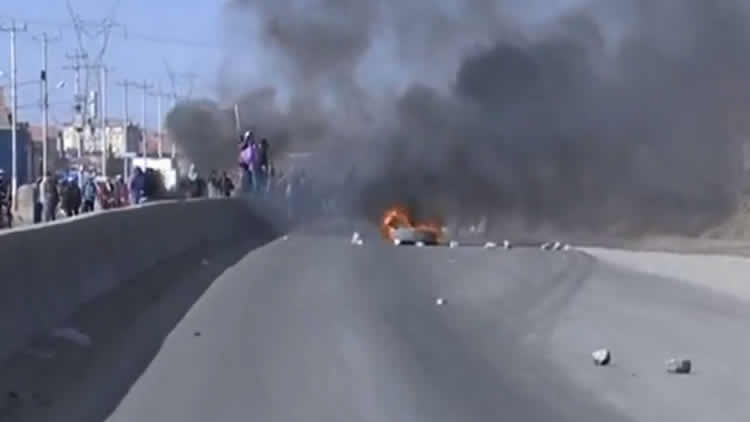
(600, 114)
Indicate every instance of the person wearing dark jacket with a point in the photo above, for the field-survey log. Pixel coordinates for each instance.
(227, 187)
(262, 166)
(51, 197)
(6, 201)
(71, 200)
(137, 185)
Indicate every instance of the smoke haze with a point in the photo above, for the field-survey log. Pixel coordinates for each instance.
(579, 114)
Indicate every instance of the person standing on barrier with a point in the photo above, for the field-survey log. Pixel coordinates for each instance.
(262, 166)
(246, 158)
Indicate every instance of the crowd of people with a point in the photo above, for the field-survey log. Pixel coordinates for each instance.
(77, 192)
(71, 194)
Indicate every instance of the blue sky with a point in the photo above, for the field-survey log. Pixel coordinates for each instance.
(158, 30)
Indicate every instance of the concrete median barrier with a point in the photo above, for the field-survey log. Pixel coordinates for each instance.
(48, 271)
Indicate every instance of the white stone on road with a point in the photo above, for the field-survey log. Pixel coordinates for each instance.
(679, 366)
(602, 357)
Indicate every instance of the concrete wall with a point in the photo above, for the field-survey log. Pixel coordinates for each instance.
(47, 271)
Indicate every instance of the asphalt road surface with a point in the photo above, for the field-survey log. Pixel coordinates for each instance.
(310, 328)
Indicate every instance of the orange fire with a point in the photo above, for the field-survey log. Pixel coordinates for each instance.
(398, 216)
(394, 218)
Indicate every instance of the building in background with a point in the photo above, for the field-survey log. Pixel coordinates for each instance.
(23, 144)
(23, 149)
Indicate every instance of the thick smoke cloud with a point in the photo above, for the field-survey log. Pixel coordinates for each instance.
(588, 114)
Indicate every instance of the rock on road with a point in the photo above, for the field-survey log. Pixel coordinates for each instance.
(310, 328)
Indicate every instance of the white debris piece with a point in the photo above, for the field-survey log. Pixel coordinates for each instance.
(440, 301)
(557, 246)
(490, 245)
(204, 262)
(602, 357)
(453, 244)
(567, 247)
(545, 246)
(73, 335)
(420, 244)
(506, 244)
(679, 366)
(397, 242)
(285, 238)
(357, 239)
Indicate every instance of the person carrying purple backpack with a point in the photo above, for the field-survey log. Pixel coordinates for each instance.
(248, 160)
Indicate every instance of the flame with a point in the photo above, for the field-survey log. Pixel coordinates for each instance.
(394, 218)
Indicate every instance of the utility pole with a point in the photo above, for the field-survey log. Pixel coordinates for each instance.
(159, 94)
(44, 76)
(80, 110)
(103, 132)
(173, 95)
(13, 29)
(144, 86)
(126, 94)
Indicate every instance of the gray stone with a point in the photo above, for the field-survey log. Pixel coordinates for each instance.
(679, 366)
(602, 357)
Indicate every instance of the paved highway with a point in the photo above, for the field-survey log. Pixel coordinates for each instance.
(310, 328)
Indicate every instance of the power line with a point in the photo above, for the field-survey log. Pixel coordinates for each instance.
(128, 35)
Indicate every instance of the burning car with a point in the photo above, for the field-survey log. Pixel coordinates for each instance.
(398, 227)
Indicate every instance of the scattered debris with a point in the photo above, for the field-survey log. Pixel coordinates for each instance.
(204, 262)
(73, 335)
(453, 244)
(197, 334)
(490, 245)
(507, 245)
(397, 242)
(285, 238)
(557, 246)
(546, 246)
(602, 357)
(679, 366)
(440, 301)
(567, 247)
(420, 244)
